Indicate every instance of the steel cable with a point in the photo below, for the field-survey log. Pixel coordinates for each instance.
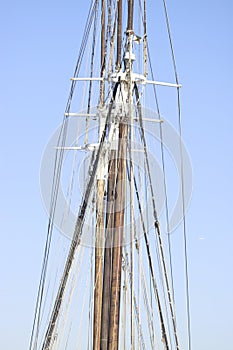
(182, 177)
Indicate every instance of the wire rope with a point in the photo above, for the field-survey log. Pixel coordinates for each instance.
(182, 177)
(149, 316)
(55, 186)
(164, 177)
(136, 308)
(59, 155)
(78, 228)
(91, 72)
(164, 335)
(156, 222)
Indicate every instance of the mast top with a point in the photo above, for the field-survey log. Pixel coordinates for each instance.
(130, 17)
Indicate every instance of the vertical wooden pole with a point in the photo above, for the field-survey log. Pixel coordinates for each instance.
(103, 33)
(130, 15)
(119, 35)
(98, 282)
(145, 42)
(99, 239)
(108, 252)
(118, 240)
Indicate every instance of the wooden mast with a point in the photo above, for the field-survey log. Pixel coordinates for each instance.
(108, 251)
(99, 239)
(119, 35)
(111, 290)
(130, 15)
(120, 194)
(114, 228)
(118, 232)
(110, 224)
(98, 281)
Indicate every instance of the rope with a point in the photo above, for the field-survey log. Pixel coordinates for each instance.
(156, 223)
(55, 186)
(132, 179)
(164, 336)
(182, 178)
(165, 186)
(91, 72)
(77, 232)
(136, 308)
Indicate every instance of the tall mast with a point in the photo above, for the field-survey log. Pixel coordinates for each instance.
(99, 237)
(102, 59)
(130, 15)
(98, 284)
(119, 125)
(119, 34)
(114, 228)
(118, 233)
(120, 194)
(108, 251)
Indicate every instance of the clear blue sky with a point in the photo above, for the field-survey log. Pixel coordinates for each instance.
(39, 44)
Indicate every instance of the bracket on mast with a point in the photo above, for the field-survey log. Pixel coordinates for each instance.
(154, 82)
(138, 78)
(87, 79)
(80, 115)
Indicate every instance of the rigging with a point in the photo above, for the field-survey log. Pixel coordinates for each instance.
(116, 192)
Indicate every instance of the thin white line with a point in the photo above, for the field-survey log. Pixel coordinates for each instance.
(163, 83)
